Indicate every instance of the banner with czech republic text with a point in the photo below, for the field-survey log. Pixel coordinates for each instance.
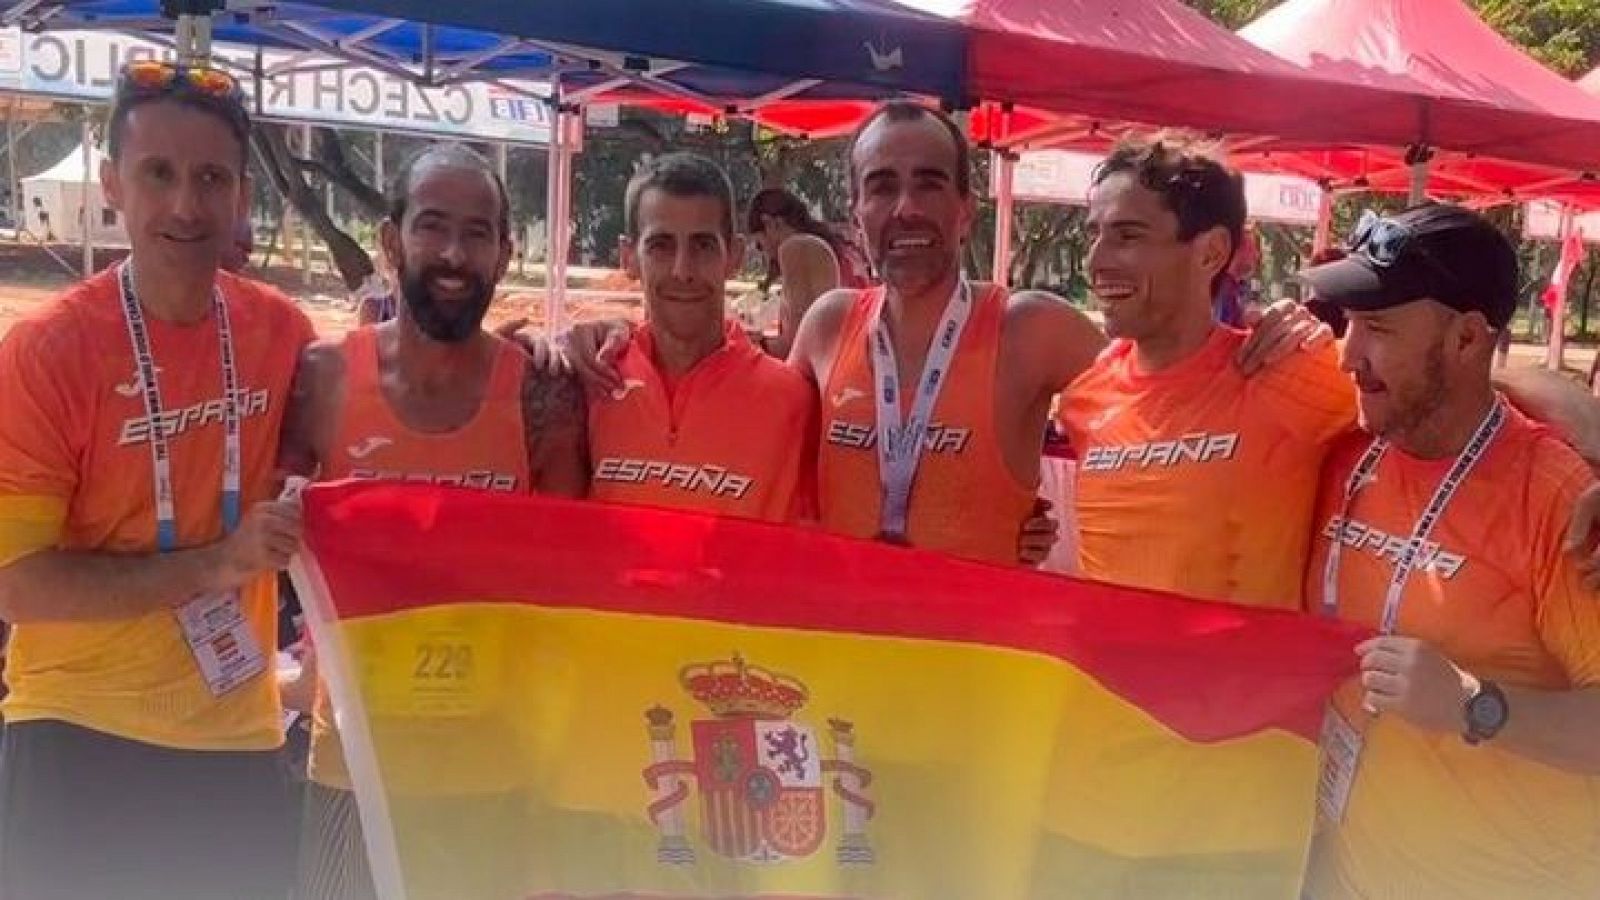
(545, 699)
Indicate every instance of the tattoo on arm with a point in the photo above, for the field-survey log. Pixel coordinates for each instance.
(555, 424)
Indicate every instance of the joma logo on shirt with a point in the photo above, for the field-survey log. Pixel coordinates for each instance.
(138, 429)
(482, 479)
(1389, 547)
(714, 480)
(1191, 448)
(937, 439)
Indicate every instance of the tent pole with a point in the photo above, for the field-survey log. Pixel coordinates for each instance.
(554, 272)
(1323, 236)
(12, 183)
(1558, 309)
(1419, 157)
(86, 220)
(570, 121)
(305, 221)
(378, 174)
(1002, 167)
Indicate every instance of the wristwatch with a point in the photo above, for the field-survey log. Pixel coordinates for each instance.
(1486, 713)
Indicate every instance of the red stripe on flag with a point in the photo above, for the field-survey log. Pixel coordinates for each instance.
(386, 548)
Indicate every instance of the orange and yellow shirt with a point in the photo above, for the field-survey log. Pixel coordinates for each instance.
(732, 436)
(1198, 480)
(965, 501)
(1430, 816)
(447, 677)
(76, 474)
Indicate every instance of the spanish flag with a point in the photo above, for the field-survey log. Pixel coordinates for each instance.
(546, 699)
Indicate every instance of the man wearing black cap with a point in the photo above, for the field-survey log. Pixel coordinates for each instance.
(1466, 762)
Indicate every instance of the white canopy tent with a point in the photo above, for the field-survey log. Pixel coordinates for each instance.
(53, 202)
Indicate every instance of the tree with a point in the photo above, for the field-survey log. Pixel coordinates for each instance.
(289, 173)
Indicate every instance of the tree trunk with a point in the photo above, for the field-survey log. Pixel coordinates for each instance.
(352, 261)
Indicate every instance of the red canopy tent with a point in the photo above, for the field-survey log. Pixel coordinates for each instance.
(1499, 125)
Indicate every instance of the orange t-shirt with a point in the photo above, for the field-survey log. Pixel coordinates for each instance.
(964, 500)
(1430, 816)
(488, 452)
(76, 474)
(1198, 480)
(732, 436)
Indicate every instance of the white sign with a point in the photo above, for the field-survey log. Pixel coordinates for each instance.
(1543, 223)
(1063, 176)
(82, 65)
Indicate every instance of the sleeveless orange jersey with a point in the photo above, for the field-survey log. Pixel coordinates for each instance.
(964, 501)
(489, 452)
(732, 436)
(1198, 480)
(75, 474)
(1428, 815)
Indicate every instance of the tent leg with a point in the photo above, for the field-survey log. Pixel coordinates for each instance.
(1323, 236)
(555, 273)
(569, 122)
(86, 220)
(1003, 167)
(378, 174)
(1419, 182)
(12, 184)
(305, 222)
(1558, 309)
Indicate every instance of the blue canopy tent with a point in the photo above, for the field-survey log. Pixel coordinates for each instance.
(715, 54)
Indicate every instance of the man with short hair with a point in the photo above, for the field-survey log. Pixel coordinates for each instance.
(703, 419)
(429, 397)
(1170, 434)
(958, 376)
(1466, 762)
(139, 537)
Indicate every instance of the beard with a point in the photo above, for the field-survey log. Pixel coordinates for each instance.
(447, 323)
(1416, 405)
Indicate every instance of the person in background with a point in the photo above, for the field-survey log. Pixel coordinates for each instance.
(806, 254)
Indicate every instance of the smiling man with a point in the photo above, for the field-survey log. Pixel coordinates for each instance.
(137, 537)
(1170, 434)
(429, 397)
(963, 373)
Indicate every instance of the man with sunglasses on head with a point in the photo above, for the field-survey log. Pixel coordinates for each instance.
(1466, 761)
(139, 537)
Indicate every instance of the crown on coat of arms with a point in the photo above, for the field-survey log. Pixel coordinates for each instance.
(732, 689)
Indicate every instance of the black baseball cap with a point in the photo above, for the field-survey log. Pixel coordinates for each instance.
(1447, 253)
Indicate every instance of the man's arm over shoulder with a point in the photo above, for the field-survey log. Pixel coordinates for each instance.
(816, 343)
(1557, 401)
(555, 422)
(1052, 340)
(1308, 393)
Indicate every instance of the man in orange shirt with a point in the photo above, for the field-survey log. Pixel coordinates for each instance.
(1466, 763)
(959, 376)
(428, 397)
(965, 483)
(1170, 434)
(138, 537)
(702, 419)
